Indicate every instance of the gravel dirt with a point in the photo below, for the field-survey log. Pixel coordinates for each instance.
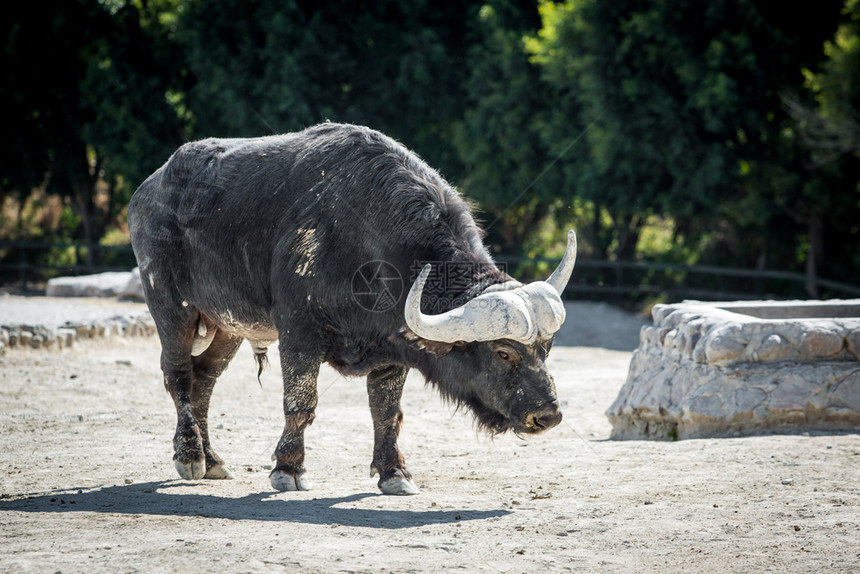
(87, 483)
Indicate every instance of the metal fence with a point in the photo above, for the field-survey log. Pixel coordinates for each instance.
(28, 264)
(637, 280)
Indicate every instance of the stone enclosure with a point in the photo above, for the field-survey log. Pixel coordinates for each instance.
(742, 368)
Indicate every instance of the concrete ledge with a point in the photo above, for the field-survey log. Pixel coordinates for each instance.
(123, 284)
(740, 368)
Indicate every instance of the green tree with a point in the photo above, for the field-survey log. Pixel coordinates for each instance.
(83, 99)
(829, 128)
(498, 138)
(267, 66)
(135, 84)
(685, 100)
(44, 58)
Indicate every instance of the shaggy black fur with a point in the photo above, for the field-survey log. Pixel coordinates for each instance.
(263, 237)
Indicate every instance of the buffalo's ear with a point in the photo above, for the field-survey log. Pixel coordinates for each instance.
(436, 347)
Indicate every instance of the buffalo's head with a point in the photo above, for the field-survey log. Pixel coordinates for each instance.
(492, 351)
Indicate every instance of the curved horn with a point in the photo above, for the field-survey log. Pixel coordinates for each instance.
(502, 315)
(561, 275)
(525, 313)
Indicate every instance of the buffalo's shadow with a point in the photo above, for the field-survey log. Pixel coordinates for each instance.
(155, 498)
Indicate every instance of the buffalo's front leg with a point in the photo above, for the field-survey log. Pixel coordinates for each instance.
(384, 389)
(300, 372)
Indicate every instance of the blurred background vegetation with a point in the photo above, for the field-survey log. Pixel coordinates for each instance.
(670, 134)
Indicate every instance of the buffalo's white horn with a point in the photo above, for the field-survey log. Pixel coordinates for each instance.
(524, 313)
(561, 275)
(503, 315)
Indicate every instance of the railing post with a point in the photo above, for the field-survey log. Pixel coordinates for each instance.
(23, 264)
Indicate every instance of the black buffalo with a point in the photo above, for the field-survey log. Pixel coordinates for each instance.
(302, 239)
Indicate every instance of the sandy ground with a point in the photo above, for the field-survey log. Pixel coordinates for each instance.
(87, 482)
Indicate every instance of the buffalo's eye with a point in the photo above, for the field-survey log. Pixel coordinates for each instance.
(507, 354)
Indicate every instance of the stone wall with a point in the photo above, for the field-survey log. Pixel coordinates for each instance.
(732, 369)
(36, 336)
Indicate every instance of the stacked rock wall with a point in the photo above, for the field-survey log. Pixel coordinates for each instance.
(50, 338)
(731, 369)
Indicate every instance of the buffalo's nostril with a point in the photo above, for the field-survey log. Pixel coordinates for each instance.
(546, 418)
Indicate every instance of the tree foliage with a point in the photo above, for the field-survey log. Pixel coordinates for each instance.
(829, 130)
(683, 96)
(498, 137)
(83, 102)
(266, 66)
(736, 120)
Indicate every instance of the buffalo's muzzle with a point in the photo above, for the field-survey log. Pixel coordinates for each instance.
(544, 418)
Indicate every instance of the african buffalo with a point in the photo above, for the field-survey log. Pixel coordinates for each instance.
(302, 239)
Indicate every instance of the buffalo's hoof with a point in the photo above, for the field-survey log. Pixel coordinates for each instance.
(192, 470)
(399, 486)
(219, 471)
(286, 482)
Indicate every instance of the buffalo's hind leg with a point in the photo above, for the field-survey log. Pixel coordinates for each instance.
(189, 380)
(207, 368)
(384, 389)
(178, 369)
